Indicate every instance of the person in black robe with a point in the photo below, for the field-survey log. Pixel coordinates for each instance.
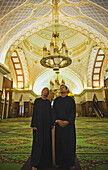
(41, 156)
(65, 135)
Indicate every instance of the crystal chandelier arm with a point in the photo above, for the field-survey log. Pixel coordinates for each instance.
(61, 61)
(53, 61)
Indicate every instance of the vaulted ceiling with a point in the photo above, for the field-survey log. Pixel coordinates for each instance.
(26, 25)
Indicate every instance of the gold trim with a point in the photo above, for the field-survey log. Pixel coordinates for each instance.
(12, 30)
(80, 44)
(48, 5)
(34, 11)
(96, 24)
(49, 24)
(85, 53)
(45, 27)
(96, 6)
(77, 75)
(10, 13)
(82, 16)
(29, 42)
(59, 30)
(22, 6)
(65, 5)
(36, 50)
(28, 1)
(87, 35)
(86, 2)
(59, 38)
(76, 50)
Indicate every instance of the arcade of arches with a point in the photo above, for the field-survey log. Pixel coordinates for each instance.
(25, 27)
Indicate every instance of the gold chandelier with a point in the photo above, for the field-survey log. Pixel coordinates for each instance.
(55, 57)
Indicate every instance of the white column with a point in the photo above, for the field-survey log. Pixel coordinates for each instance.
(106, 63)
(3, 71)
(3, 102)
(7, 109)
(1, 81)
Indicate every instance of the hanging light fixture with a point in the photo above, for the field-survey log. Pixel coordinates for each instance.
(55, 57)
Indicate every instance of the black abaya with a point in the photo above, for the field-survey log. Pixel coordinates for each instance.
(65, 137)
(41, 156)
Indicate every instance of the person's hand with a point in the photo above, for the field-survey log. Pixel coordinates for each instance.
(34, 128)
(62, 123)
(59, 121)
(65, 123)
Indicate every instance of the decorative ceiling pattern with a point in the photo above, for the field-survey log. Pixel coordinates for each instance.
(7, 6)
(28, 24)
(37, 2)
(80, 45)
(42, 12)
(101, 3)
(70, 11)
(15, 31)
(64, 33)
(72, 1)
(21, 14)
(14, 19)
(80, 52)
(89, 13)
(34, 52)
(95, 26)
(80, 66)
(94, 13)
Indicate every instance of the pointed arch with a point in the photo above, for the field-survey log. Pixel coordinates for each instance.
(96, 74)
(18, 70)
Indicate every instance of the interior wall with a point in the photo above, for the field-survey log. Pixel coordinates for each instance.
(84, 102)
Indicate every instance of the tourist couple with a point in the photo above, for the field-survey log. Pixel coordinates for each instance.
(63, 117)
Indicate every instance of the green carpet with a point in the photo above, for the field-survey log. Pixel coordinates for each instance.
(92, 142)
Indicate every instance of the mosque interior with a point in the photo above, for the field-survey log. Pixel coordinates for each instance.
(25, 27)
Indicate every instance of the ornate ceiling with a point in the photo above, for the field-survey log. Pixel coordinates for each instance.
(27, 25)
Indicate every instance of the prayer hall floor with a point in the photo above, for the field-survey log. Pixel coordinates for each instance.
(27, 166)
(92, 143)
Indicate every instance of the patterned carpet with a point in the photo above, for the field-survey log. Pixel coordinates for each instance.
(27, 166)
(92, 143)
